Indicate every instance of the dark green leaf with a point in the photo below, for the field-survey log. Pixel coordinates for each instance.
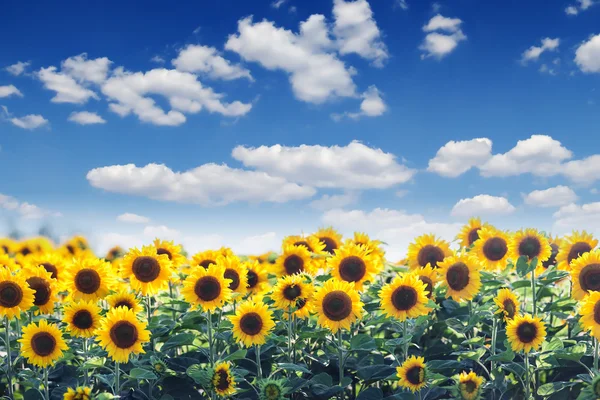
(140, 373)
(362, 343)
(181, 339)
(370, 394)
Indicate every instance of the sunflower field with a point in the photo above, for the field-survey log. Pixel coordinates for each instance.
(497, 315)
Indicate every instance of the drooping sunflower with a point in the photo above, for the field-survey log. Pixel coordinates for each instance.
(294, 260)
(89, 279)
(42, 344)
(45, 288)
(525, 333)
(222, 380)
(555, 243)
(585, 274)
(8, 263)
(236, 272)
(207, 288)
(427, 249)
(172, 251)
(412, 374)
(53, 262)
(7, 245)
(82, 318)
(272, 389)
(337, 304)
(293, 293)
(79, 393)
(429, 277)
(404, 297)
(572, 247)
(311, 243)
(353, 263)
(469, 386)
(508, 303)
(257, 277)
(123, 298)
(114, 253)
(15, 294)
(373, 246)
(148, 272)
(529, 243)
(460, 274)
(121, 334)
(252, 323)
(205, 258)
(470, 232)
(590, 314)
(330, 238)
(491, 249)
(77, 246)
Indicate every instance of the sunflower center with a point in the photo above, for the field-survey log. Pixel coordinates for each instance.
(552, 259)
(5, 248)
(43, 344)
(251, 324)
(161, 250)
(50, 268)
(470, 386)
(404, 298)
(413, 375)
(87, 281)
(291, 292)
(352, 269)
(430, 254)
(42, 290)
(329, 243)
(252, 279)
(123, 334)
(597, 312)
(207, 288)
(473, 235)
(577, 250)
(146, 268)
(589, 277)
(530, 247)
(458, 276)
(222, 380)
(495, 249)
(124, 303)
(527, 332)
(337, 305)
(428, 285)
(25, 251)
(71, 249)
(293, 264)
(206, 263)
(272, 391)
(11, 294)
(510, 308)
(83, 319)
(234, 276)
(305, 244)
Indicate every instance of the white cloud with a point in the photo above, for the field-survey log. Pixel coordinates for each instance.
(403, 4)
(257, 244)
(482, 204)
(133, 218)
(356, 31)
(31, 121)
(545, 69)
(534, 52)
(207, 60)
(158, 59)
(161, 232)
(551, 197)
(278, 3)
(583, 171)
(84, 70)
(587, 55)
(130, 93)
(371, 106)
(456, 158)
(579, 217)
(86, 118)
(18, 68)
(24, 209)
(581, 5)
(208, 184)
(354, 166)
(315, 72)
(66, 87)
(438, 44)
(439, 22)
(329, 202)
(10, 90)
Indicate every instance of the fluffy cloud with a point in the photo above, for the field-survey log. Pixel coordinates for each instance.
(581, 5)
(371, 106)
(456, 158)
(10, 90)
(534, 52)
(354, 166)
(24, 209)
(86, 118)
(438, 44)
(551, 197)
(66, 87)
(579, 217)
(133, 218)
(206, 60)
(84, 70)
(482, 204)
(329, 202)
(18, 68)
(315, 72)
(583, 171)
(356, 31)
(208, 184)
(587, 55)
(31, 121)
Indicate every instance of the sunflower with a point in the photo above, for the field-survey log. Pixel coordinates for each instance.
(508, 304)
(311, 243)
(77, 246)
(337, 304)
(15, 294)
(491, 249)
(114, 254)
(572, 247)
(256, 276)
(42, 244)
(469, 385)
(7, 246)
(293, 293)
(82, 318)
(590, 314)
(427, 249)
(205, 258)
(172, 251)
(42, 344)
(529, 243)
(585, 274)
(330, 238)
(236, 272)
(405, 297)
(461, 276)
(222, 380)
(555, 248)
(207, 288)
(429, 277)
(122, 334)
(53, 262)
(470, 232)
(353, 263)
(373, 246)
(8, 263)
(123, 298)
(272, 389)
(252, 322)
(148, 271)
(412, 374)
(44, 286)
(79, 393)
(294, 260)
(89, 278)
(525, 332)
(25, 247)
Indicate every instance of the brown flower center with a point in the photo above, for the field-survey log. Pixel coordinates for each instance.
(413, 375)
(252, 278)
(329, 243)
(234, 276)
(83, 319)
(222, 380)
(251, 324)
(458, 276)
(337, 305)
(404, 298)
(43, 344)
(161, 250)
(11, 294)
(428, 285)
(145, 268)
(124, 303)
(71, 249)
(25, 251)
(494, 249)
(470, 386)
(42, 290)
(206, 263)
(589, 277)
(473, 235)
(577, 250)
(530, 246)
(87, 281)
(352, 269)
(207, 288)
(50, 268)
(293, 264)
(291, 292)
(123, 334)
(552, 260)
(510, 308)
(526, 332)
(305, 244)
(430, 254)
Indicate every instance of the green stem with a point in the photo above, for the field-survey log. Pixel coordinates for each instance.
(595, 354)
(341, 361)
(85, 357)
(533, 294)
(527, 377)
(171, 297)
(258, 364)
(405, 333)
(494, 337)
(8, 357)
(290, 330)
(117, 379)
(46, 388)
(211, 358)
(149, 317)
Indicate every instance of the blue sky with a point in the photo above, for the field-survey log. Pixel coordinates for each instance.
(434, 94)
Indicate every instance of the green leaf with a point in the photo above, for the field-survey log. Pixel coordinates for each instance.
(32, 394)
(181, 339)
(238, 355)
(293, 367)
(505, 356)
(553, 345)
(199, 375)
(573, 353)
(553, 387)
(362, 343)
(140, 373)
(522, 266)
(370, 394)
